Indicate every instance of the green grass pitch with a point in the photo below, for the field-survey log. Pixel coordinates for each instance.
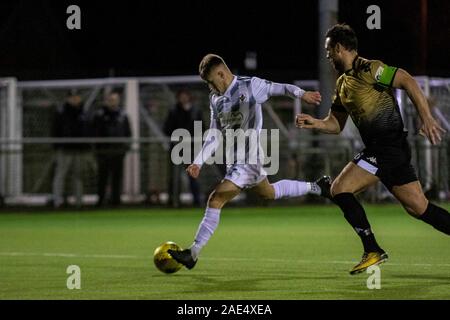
(270, 253)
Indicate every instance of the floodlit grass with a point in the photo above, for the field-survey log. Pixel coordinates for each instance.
(256, 253)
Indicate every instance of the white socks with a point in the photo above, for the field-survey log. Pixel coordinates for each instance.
(293, 188)
(313, 188)
(205, 230)
(283, 188)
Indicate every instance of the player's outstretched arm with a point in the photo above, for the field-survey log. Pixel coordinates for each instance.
(332, 124)
(430, 128)
(264, 89)
(312, 97)
(211, 144)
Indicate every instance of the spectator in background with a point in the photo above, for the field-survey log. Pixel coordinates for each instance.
(70, 121)
(182, 116)
(111, 121)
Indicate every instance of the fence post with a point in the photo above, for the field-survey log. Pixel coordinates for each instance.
(11, 162)
(132, 182)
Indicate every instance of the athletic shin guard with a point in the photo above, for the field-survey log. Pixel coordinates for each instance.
(437, 217)
(355, 215)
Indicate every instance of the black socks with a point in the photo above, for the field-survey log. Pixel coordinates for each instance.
(355, 215)
(437, 217)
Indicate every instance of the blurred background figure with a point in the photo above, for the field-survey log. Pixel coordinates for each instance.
(182, 116)
(111, 121)
(70, 121)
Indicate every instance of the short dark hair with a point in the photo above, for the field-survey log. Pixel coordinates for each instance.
(208, 62)
(342, 33)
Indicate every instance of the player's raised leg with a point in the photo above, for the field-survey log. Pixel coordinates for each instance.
(224, 192)
(412, 198)
(350, 181)
(292, 188)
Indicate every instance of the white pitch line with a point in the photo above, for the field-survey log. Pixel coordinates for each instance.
(68, 255)
(118, 256)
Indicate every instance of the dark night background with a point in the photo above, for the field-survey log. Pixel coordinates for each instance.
(146, 38)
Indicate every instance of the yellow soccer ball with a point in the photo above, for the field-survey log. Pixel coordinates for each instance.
(164, 261)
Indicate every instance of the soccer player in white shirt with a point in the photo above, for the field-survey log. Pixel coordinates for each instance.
(235, 103)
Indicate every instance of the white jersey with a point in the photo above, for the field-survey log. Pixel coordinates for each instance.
(240, 108)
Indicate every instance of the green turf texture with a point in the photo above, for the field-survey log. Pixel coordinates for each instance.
(268, 253)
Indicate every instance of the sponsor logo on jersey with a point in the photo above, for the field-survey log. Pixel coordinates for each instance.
(230, 118)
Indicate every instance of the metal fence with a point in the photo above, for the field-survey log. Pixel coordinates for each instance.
(27, 156)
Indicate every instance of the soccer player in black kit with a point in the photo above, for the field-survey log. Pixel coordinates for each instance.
(364, 90)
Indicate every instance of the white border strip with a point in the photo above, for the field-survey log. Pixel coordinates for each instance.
(367, 166)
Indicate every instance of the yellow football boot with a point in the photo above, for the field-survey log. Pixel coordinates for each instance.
(369, 259)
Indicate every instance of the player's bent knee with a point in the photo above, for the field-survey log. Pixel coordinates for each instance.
(336, 188)
(416, 209)
(269, 194)
(216, 201)
(411, 212)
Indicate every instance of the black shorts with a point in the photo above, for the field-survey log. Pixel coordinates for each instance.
(391, 164)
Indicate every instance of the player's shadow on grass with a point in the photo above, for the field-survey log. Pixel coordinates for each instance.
(397, 286)
(220, 283)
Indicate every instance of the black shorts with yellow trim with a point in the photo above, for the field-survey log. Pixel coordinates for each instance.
(392, 165)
